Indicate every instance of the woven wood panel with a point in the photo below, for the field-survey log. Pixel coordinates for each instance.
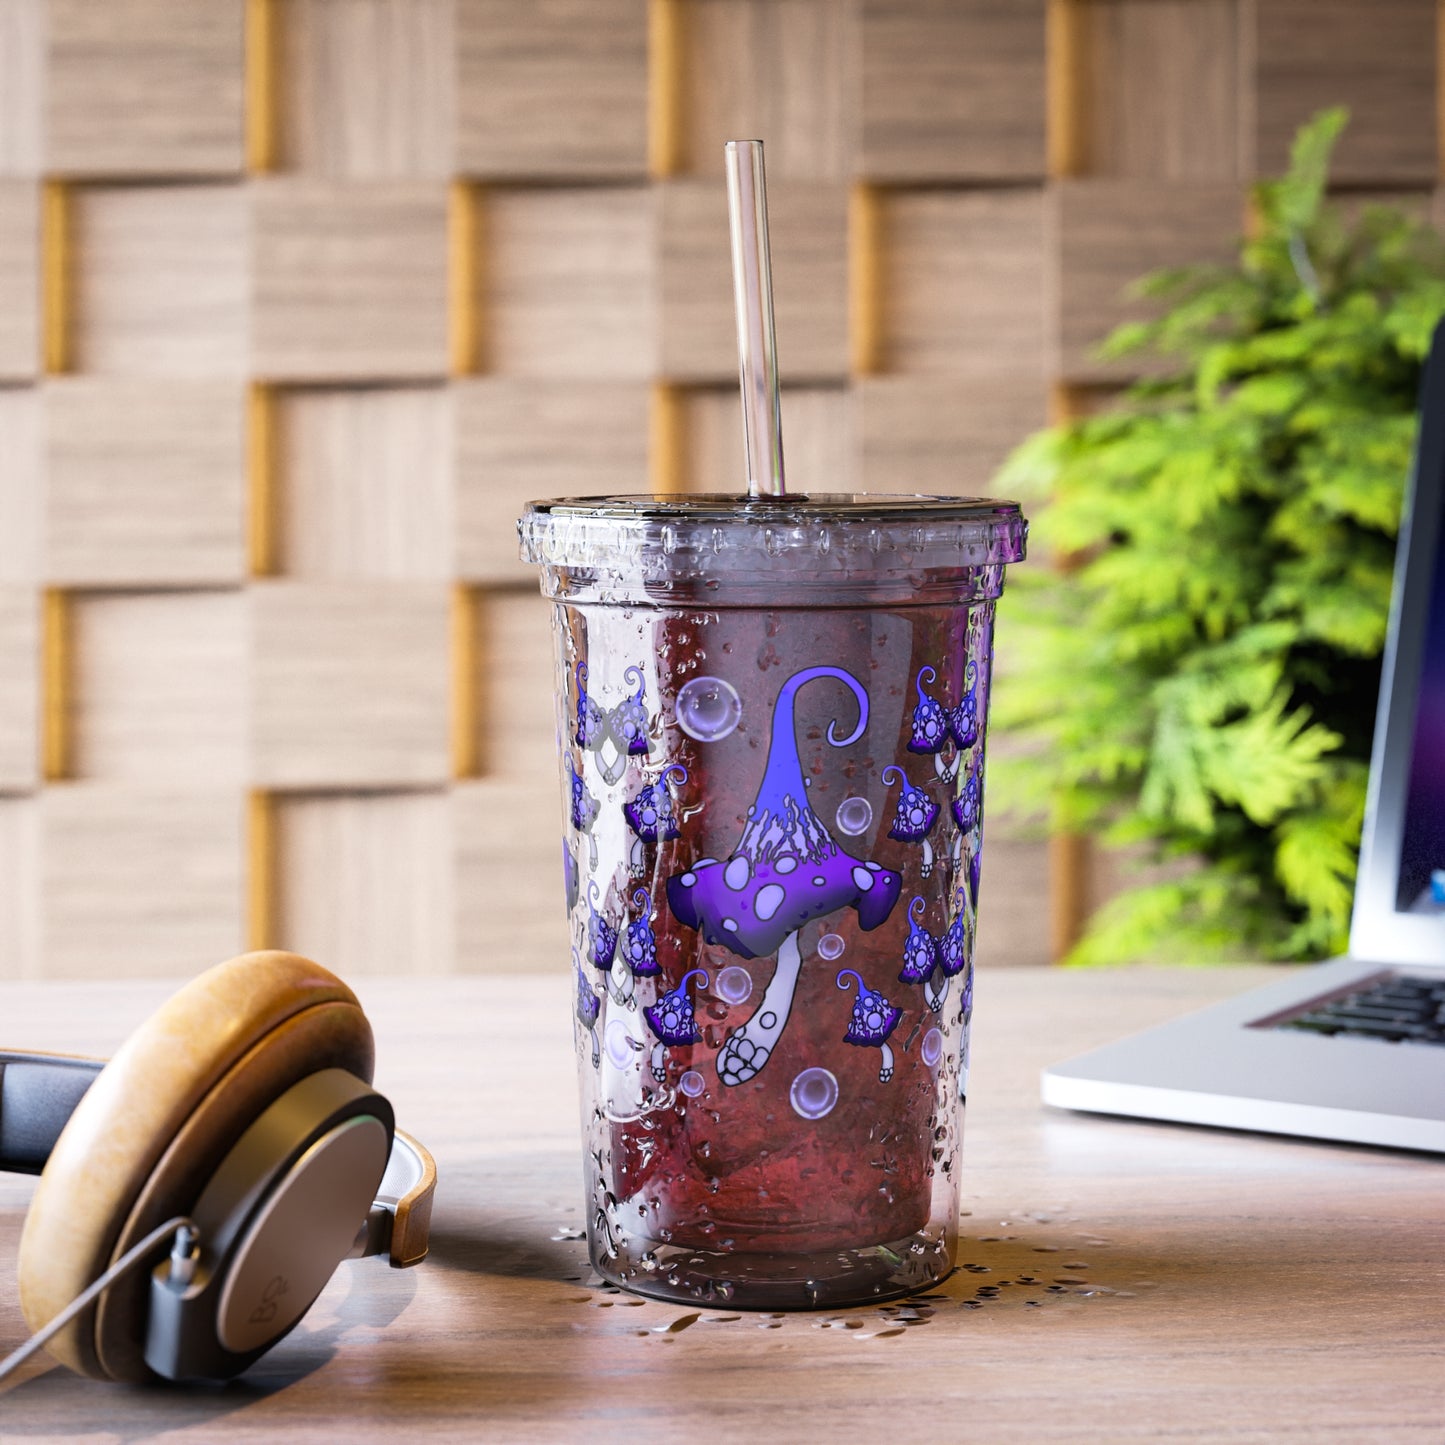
(143, 88)
(300, 300)
(19, 280)
(144, 482)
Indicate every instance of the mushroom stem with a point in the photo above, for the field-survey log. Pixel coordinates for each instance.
(636, 861)
(659, 1063)
(621, 979)
(737, 1063)
(947, 772)
(611, 762)
(935, 992)
(596, 1048)
(885, 1068)
(927, 858)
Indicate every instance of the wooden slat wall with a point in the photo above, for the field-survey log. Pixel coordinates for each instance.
(301, 299)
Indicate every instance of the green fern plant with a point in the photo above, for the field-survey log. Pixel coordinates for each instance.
(1203, 681)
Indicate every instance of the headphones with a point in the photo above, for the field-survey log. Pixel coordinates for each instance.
(244, 1106)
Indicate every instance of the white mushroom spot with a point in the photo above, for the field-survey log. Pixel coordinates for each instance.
(820, 883)
(769, 900)
(873, 867)
(688, 880)
(785, 864)
(863, 878)
(731, 924)
(738, 873)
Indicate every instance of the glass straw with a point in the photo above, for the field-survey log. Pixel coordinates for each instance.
(753, 298)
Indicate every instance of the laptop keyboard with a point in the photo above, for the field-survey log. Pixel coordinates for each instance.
(1396, 1008)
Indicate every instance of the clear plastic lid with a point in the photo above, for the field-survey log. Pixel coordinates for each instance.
(818, 550)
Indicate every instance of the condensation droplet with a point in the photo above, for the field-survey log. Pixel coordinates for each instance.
(692, 1083)
(931, 1049)
(708, 708)
(854, 815)
(814, 1093)
(830, 946)
(734, 984)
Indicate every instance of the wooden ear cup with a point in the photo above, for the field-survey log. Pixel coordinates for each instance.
(153, 1127)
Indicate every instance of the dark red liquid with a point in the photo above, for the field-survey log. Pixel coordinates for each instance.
(738, 1166)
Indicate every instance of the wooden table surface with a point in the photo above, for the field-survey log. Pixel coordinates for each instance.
(1214, 1285)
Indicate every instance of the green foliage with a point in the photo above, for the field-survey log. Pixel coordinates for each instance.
(1203, 681)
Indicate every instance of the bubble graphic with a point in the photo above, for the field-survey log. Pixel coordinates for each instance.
(619, 1043)
(691, 1083)
(931, 1049)
(854, 815)
(734, 984)
(708, 708)
(814, 1093)
(830, 946)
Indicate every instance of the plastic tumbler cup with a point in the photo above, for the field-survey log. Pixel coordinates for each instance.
(771, 721)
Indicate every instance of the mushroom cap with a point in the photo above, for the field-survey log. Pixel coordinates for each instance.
(929, 728)
(588, 1004)
(671, 1017)
(590, 722)
(915, 815)
(920, 952)
(649, 813)
(872, 1020)
(639, 949)
(928, 731)
(571, 876)
(751, 908)
(953, 944)
(964, 807)
(584, 805)
(963, 721)
(601, 939)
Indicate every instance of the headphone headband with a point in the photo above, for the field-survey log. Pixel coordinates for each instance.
(38, 1094)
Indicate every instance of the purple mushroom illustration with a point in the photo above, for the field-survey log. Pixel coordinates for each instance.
(584, 809)
(601, 934)
(965, 810)
(589, 1006)
(920, 953)
(975, 865)
(671, 1019)
(915, 816)
(927, 955)
(615, 734)
(650, 814)
(963, 720)
(873, 1019)
(929, 730)
(571, 877)
(639, 948)
(590, 722)
(785, 870)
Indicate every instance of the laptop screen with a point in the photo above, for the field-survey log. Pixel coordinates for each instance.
(1422, 846)
(1399, 912)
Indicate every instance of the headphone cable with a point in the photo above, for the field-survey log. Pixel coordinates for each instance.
(183, 1256)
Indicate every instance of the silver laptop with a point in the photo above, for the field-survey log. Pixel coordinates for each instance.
(1353, 1049)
